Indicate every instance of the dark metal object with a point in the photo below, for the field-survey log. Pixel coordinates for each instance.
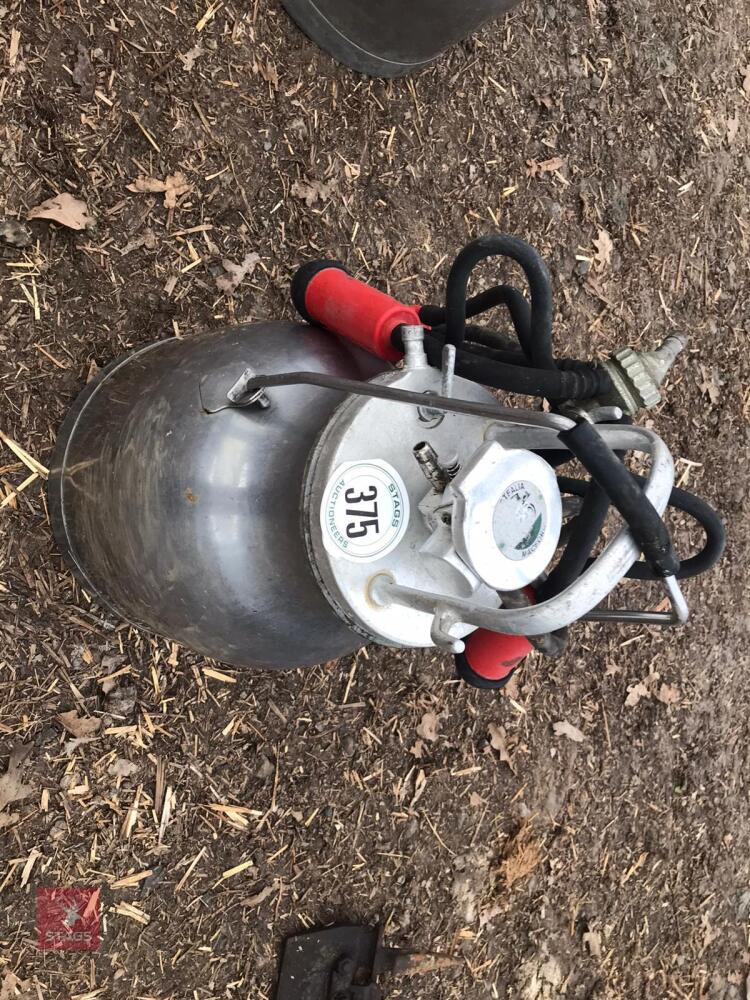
(391, 37)
(188, 523)
(343, 963)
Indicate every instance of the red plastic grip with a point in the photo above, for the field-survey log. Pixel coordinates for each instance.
(357, 312)
(493, 655)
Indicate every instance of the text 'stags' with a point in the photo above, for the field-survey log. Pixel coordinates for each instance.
(68, 918)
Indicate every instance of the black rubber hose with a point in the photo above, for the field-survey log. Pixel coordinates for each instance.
(584, 534)
(552, 385)
(687, 503)
(493, 340)
(605, 468)
(478, 337)
(497, 347)
(539, 348)
(498, 295)
(501, 349)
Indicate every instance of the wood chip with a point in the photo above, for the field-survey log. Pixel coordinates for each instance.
(13, 47)
(634, 868)
(169, 803)
(28, 460)
(191, 868)
(133, 913)
(28, 867)
(604, 248)
(231, 872)
(127, 881)
(219, 675)
(131, 817)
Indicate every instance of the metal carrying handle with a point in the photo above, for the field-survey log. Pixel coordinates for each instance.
(354, 387)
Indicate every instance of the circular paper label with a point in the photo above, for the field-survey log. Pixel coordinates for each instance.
(520, 520)
(364, 511)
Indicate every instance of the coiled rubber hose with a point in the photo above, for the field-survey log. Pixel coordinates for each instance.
(490, 358)
(682, 500)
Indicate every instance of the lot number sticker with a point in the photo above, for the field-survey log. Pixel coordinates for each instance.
(365, 510)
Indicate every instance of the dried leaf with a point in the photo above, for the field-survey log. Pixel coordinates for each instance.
(668, 694)
(733, 127)
(14, 233)
(522, 855)
(497, 742)
(72, 745)
(604, 247)
(172, 187)
(711, 385)
(77, 725)
(593, 941)
(259, 897)
(12, 788)
(428, 727)
(236, 273)
(177, 185)
(83, 73)
(312, 191)
(147, 185)
(188, 60)
(269, 73)
(536, 167)
(13, 988)
(417, 749)
(122, 768)
(635, 693)
(65, 210)
(569, 731)
(511, 690)
(121, 700)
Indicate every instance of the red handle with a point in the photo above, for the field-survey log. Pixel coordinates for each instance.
(326, 295)
(493, 655)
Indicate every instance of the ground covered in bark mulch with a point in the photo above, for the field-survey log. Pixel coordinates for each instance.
(219, 810)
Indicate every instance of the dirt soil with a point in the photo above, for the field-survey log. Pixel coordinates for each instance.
(614, 864)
